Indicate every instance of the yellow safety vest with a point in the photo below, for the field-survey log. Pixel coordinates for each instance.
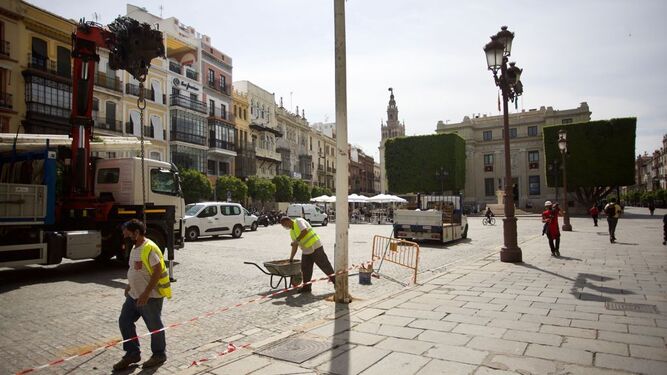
(308, 240)
(163, 285)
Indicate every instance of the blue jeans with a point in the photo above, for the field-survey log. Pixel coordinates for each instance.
(151, 313)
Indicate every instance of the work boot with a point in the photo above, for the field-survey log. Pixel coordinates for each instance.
(155, 360)
(305, 289)
(126, 361)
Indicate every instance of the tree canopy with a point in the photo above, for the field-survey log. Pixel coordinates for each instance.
(414, 164)
(265, 190)
(196, 186)
(232, 184)
(319, 191)
(301, 191)
(600, 156)
(284, 191)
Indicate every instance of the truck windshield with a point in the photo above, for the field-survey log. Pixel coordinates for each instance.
(192, 209)
(164, 181)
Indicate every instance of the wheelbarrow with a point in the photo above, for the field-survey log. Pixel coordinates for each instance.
(282, 269)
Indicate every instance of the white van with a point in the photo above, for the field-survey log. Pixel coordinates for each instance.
(310, 212)
(213, 219)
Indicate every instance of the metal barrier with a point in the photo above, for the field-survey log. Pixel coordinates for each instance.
(397, 251)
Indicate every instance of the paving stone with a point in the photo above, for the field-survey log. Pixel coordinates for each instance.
(405, 346)
(526, 310)
(569, 331)
(243, 366)
(511, 302)
(596, 346)
(571, 369)
(392, 320)
(283, 368)
(578, 356)
(416, 313)
(478, 330)
(367, 327)
(467, 319)
(444, 338)
(650, 331)
(436, 325)
(418, 306)
(522, 365)
(546, 320)
(635, 365)
(357, 337)
(457, 354)
(326, 356)
(498, 345)
(483, 306)
(628, 320)
(369, 313)
(603, 326)
(439, 367)
(399, 363)
(353, 361)
(533, 337)
(632, 339)
(482, 370)
(388, 304)
(648, 352)
(329, 329)
(573, 315)
(401, 332)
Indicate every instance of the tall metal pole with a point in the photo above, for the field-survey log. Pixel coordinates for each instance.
(510, 252)
(342, 170)
(566, 207)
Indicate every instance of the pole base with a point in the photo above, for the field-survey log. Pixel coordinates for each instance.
(510, 255)
(567, 227)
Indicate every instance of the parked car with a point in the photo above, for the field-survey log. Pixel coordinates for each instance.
(250, 220)
(310, 212)
(213, 219)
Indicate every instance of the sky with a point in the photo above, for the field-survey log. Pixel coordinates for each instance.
(607, 53)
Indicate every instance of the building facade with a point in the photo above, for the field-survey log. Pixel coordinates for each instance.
(296, 144)
(264, 128)
(246, 165)
(324, 159)
(392, 129)
(651, 169)
(485, 167)
(361, 179)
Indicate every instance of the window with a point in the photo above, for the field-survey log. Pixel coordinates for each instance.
(532, 131)
(566, 121)
(209, 211)
(108, 175)
(39, 55)
(513, 133)
(111, 113)
(230, 210)
(211, 77)
(155, 155)
(488, 159)
(163, 181)
(211, 107)
(187, 127)
(223, 82)
(489, 188)
(533, 156)
(223, 110)
(96, 105)
(487, 135)
(64, 62)
(211, 167)
(533, 185)
(223, 168)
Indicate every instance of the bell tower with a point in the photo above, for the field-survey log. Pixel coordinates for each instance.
(392, 129)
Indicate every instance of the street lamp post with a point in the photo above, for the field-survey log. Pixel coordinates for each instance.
(442, 174)
(562, 145)
(497, 53)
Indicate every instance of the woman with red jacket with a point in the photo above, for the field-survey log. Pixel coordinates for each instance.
(594, 214)
(550, 220)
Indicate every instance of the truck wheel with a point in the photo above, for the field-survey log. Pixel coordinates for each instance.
(192, 233)
(157, 237)
(465, 232)
(253, 227)
(325, 222)
(237, 231)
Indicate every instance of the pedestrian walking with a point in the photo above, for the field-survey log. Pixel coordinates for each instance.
(148, 284)
(594, 212)
(303, 236)
(613, 212)
(651, 207)
(664, 229)
(550, 220)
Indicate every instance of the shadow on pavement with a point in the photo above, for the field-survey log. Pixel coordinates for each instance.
(300, 300)
(341, 363)
(627, 243)
(84, 272)
(583, 282)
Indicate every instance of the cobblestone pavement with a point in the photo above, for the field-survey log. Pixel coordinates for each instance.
(57, 311)
(575, 314)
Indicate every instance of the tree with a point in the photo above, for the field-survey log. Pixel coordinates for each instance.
(318, 191)
(265, 190)
(252, 186)
(284, 192)
(196, 186)
(600, 156)
(233, 184)
(412, 163)
(301, 191)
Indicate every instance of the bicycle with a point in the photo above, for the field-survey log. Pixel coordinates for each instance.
(489, 221)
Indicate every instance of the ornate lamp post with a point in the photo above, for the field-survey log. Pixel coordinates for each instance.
(442, 174)
(562, 145)
(497, 53)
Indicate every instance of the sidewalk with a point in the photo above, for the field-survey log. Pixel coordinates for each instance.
(576, 314)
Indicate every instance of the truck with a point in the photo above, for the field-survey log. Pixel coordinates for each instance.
(436, 218)
(58, 201)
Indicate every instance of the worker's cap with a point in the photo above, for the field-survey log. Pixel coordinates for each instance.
(547, 203)
(284, 218)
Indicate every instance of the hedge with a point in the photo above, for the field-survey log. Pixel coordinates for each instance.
(412, 163)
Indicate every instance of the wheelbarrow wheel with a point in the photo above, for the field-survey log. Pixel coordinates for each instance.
(296, 280)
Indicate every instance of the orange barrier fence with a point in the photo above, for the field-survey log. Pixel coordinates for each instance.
(401, 252)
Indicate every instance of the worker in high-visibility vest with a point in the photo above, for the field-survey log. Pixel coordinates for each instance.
(303, 236)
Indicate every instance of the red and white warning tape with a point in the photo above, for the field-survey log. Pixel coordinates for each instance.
(205, 315)
(230, 348)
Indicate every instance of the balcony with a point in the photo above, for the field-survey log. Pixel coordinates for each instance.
(187, 137)
(223, 145)
(133, 89)
(4, 48)
(219, 85)
(307, 176)
(5, 100)
(217, 113)
(109, 82)
(108, 124)
(44, 64)
(48, 113)
(175, 67)
(188, 103)
(268, 155)
(284, 172)
(192, 74)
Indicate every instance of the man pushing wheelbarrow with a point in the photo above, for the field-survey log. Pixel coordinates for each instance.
(303, 236)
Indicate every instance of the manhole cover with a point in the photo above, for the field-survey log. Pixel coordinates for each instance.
(296, 350)
(636, 307)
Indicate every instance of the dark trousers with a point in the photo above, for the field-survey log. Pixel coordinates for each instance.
(151, 313)
(612, 221)
(595, 220)
(318, 257)
(554, 243)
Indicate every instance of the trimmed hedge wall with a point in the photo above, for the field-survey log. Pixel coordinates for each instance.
(412, 163)
(600, 153)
